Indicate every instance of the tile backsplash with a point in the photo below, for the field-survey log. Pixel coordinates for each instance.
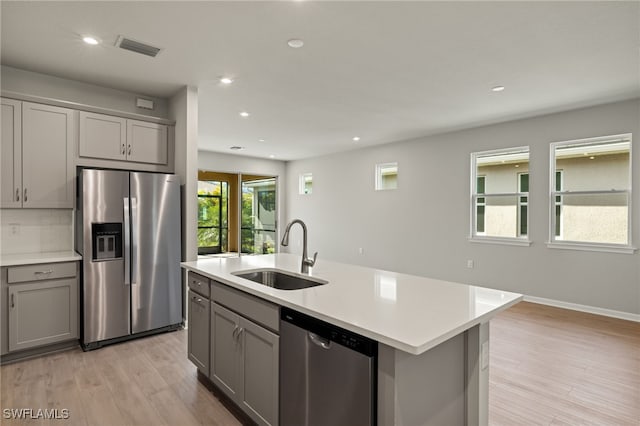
(35, 230)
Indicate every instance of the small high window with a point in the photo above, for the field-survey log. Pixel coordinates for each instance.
(590, 189)
(306, 183)
(500, 195)
(386, 176)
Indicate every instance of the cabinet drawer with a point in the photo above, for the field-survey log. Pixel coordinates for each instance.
(249, 306)
(43, 271)
(199, 284)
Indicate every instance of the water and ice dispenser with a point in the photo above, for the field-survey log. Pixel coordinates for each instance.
(107, 241)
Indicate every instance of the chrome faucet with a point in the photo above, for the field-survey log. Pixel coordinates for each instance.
(306, 262)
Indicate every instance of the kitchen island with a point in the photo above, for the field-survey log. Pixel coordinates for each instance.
(433, 335)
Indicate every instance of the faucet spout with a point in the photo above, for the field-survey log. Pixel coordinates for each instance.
(306, 262)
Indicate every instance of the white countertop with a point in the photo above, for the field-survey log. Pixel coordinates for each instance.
(406, 312)
(43, 257)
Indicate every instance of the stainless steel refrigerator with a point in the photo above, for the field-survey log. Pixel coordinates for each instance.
(128, 232)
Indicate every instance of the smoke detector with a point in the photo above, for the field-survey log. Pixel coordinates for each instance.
(135, 46)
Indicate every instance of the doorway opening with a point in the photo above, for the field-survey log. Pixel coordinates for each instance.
(237, 213)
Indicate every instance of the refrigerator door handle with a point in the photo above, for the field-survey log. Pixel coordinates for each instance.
(127, 243)
(134, 241)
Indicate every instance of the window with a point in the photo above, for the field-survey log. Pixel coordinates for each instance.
(386, 176)
(557, 205)
(212, 217)
(500, 196)
(590, 186)
(523, 204)
(305, 184)
(258, 215)
(480, 205)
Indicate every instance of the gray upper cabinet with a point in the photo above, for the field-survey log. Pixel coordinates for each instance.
(103, 136)
(106, 137)
(11, 155)
(37, 141)
(147, 142)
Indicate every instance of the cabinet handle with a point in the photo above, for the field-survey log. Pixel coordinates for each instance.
(12, 304)
(25, 195)
(129, 153)
(50, 271)
(123, 149)
(17, 194)
(235, 330)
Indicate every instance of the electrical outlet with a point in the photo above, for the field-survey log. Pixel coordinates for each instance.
(15, 228)
(470, 264)
(360, 250)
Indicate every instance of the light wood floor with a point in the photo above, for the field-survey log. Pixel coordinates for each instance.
(548, 367)
(552, 366)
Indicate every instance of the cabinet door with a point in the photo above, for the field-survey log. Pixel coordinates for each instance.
(11, 155)
(47, 156)
(102, 136)
(259, 372)
(42, 312)
(198, 332)
(147, 142)
(225, 350)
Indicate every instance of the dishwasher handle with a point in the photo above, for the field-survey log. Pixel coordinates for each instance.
(319, 341)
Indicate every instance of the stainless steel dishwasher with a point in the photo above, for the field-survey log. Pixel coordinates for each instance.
(327, 374)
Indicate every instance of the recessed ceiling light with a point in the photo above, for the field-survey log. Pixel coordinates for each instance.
(260, 140)
(90, 40)
(356, 138)
(517, 165)
(244, 114)
(236, 148)
(226, 80)
(272, 156)
(498, 88)
(592, 158)
(296, 43)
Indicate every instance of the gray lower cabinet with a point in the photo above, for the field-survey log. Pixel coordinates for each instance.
(245, 363)
(198, 331)
(42, 304)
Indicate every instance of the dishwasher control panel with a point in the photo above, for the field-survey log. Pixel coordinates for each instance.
(336, 334)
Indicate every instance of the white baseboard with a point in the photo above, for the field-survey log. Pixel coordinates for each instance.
(584, 308)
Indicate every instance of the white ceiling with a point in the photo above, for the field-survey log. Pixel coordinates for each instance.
(383, 71)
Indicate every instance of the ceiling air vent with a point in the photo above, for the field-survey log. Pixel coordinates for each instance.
(137, 47)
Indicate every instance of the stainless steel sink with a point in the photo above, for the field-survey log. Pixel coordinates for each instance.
(282, 280)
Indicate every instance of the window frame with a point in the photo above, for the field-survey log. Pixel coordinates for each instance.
(482, 203)
(222, 230)
(553, 193)
(521, 204)
(302, 183)
(379, 176)
(476, 237)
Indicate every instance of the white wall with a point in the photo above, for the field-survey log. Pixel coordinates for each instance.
(227, 163)
(47, 86)
(423, 226)
(183, 108)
